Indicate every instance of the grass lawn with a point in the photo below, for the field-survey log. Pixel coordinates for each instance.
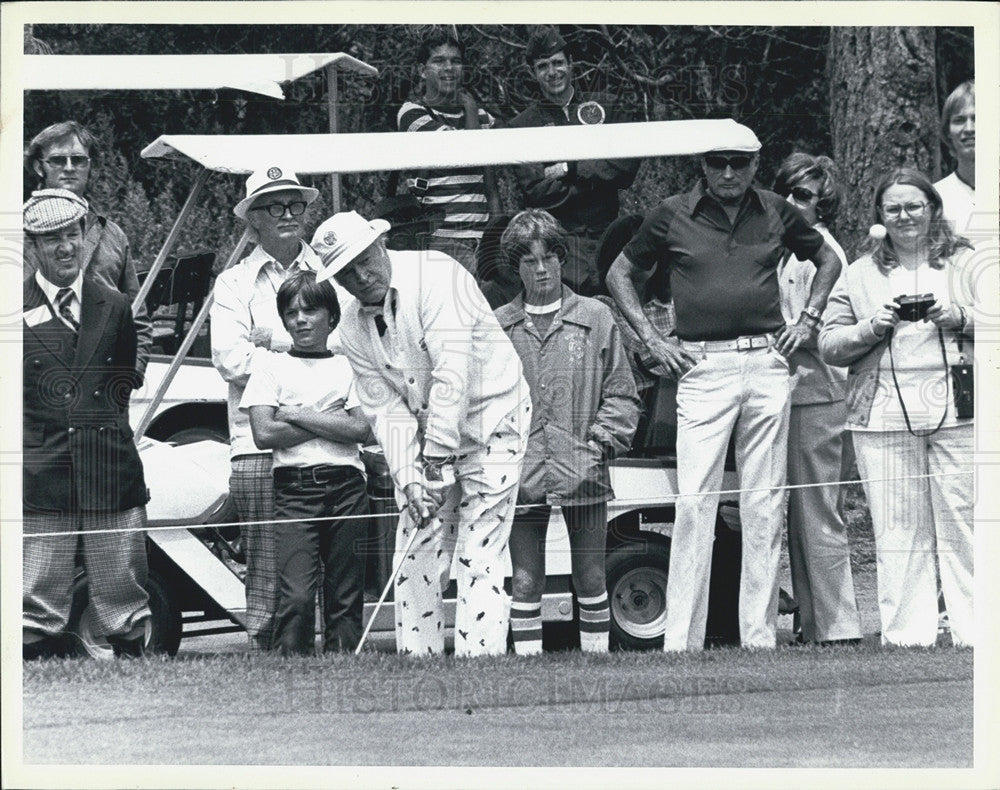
(807, 706)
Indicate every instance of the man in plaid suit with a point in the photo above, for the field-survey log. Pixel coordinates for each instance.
(82, 473)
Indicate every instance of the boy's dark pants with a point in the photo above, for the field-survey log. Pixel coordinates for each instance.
(306, 548)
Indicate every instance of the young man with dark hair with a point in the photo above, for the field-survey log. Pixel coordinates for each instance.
(303, 408)
(468, 196)
(583, 196)
(61, 156)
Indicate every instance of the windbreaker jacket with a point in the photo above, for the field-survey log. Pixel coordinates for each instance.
(584, 402)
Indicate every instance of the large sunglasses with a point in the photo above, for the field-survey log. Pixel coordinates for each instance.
(277, 210)
(77, 160)
(803, 195)
(739, 162)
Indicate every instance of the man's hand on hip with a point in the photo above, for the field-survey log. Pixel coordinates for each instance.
(791, 336)
(668, 352)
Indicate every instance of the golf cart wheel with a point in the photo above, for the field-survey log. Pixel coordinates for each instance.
(163, 632)
(637, 594)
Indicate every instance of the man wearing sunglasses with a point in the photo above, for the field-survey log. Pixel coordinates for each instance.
(721, 244)
(61, 156)
(245, 325)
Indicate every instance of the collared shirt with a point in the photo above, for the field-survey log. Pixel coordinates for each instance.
(443, 375)
(813, 381)
(584, 401)
(106, 260)
(51, 292)
(244, 300)
(723, 274)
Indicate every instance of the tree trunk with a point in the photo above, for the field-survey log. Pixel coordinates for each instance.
(883, 115)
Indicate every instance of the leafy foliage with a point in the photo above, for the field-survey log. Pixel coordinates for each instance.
(773, 79)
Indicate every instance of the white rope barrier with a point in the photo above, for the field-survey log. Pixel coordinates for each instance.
(626, 503)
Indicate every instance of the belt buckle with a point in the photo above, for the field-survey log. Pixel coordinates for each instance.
(314, 471)
(744, 343)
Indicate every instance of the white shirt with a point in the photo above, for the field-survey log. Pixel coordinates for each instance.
(51, 292)
(318, 383)
(244, 300)
(443, 376)
(959, 201)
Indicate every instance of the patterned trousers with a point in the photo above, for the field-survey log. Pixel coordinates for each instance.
(115, 564)
(473, 522)
(252, 485)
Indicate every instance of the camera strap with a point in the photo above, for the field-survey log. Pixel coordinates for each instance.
(899, 395)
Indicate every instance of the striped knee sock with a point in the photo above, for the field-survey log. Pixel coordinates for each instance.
(595, 623)
(526, 624)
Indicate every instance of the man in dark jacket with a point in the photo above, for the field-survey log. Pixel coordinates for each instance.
(583, 196)
(82, 473)
(61, 156)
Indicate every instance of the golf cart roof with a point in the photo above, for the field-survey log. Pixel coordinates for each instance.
(356, 153)
(262, 74)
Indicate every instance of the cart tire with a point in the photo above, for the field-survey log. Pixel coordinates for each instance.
(165, 625)
(637, 594)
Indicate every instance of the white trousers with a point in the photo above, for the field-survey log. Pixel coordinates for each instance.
(746, 392)
(474, 521)
(913, 520)
(818, 550)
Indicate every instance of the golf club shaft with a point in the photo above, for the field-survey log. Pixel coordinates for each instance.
(388, 586)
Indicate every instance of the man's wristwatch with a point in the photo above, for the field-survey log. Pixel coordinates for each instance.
(811, 316)
(434, 467)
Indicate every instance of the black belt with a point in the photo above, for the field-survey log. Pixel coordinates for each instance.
(322, 473)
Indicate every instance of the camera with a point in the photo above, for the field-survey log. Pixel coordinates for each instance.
(914, 307)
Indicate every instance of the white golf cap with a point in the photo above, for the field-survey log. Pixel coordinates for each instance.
(342, 238)
(272, 178)
(741, 140)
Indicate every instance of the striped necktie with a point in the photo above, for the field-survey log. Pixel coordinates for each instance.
(63, 301)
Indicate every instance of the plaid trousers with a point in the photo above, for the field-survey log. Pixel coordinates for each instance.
(251, 483)
(115, 564)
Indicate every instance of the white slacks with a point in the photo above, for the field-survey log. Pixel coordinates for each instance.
(746, 392)
(913, 520)
(474, 521)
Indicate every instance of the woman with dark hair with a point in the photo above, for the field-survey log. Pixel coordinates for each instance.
(958, 134)
(584, 410)
(818, 550)
(902, 319)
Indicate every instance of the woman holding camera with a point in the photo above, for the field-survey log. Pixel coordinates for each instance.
(902, 320)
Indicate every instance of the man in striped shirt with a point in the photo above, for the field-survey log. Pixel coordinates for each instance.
(468, 195)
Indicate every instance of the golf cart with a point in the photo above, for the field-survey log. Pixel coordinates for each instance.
(197, 590)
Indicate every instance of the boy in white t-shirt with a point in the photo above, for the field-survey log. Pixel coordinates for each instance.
(303, 406)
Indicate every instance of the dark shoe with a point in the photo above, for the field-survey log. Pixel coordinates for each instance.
(786, 604)
(128, 648)
(840, 643)
(53, 646)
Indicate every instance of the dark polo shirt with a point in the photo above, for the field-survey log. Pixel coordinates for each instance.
(722, 275)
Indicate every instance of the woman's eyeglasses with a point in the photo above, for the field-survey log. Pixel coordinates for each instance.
(741, 162)
(895, 210)
(277, 210)
(803, 195)
(77, 160)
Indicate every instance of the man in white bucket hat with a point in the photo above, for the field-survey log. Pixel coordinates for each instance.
(721, 244)
(245, 325)
(443, 389)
